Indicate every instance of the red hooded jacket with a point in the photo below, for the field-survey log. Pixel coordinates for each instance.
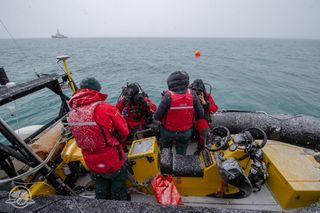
(97, 127)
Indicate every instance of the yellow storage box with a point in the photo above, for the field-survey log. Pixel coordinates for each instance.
(294, 174)
(144, 158)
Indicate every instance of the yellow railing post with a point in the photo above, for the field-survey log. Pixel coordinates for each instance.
(65, 64)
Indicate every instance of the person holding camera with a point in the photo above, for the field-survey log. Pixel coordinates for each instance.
(209, 106)
(206, 99)
(136, 108)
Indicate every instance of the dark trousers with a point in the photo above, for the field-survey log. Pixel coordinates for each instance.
(182, 140)
(112, 185)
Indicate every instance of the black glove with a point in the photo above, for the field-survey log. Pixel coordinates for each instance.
(154, 125)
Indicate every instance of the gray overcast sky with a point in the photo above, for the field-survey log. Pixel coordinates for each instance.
(161, 18)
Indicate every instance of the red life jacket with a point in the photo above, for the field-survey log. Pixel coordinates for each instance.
(180, 115)
(101, 151)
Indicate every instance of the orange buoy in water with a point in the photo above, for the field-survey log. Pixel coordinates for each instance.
(197, 53)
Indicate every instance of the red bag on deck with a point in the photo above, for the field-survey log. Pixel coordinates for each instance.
(165, 190)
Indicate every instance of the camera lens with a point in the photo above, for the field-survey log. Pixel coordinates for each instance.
(199, 91)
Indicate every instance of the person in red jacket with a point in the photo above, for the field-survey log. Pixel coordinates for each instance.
(99, 129)
(136, 108)
(177, 111)
(206, 99)
(209, 107)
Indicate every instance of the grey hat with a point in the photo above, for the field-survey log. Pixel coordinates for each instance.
(90, 83)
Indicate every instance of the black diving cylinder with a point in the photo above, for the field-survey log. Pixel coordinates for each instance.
(3, 77)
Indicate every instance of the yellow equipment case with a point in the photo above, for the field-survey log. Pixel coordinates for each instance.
(295, 181)
(143, 157)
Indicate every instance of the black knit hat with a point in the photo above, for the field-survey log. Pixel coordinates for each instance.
(90, 83)
(178, 80)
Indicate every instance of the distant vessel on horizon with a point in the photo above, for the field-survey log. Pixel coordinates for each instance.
(58, 35)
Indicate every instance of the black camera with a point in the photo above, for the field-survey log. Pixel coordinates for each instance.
(139, 99)
(130, 92)
(199, 91)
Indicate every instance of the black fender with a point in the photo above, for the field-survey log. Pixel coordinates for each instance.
(300, 130)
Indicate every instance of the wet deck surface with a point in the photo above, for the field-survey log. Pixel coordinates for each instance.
(80, 204)
(262, 200)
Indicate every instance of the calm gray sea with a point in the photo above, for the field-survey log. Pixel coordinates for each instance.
(272, 75)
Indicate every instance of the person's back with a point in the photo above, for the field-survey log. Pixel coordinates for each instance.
(181, 106)
(178, 109)
(99, 129)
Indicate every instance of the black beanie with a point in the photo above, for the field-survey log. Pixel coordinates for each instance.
(178, 80)
(90, 83)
